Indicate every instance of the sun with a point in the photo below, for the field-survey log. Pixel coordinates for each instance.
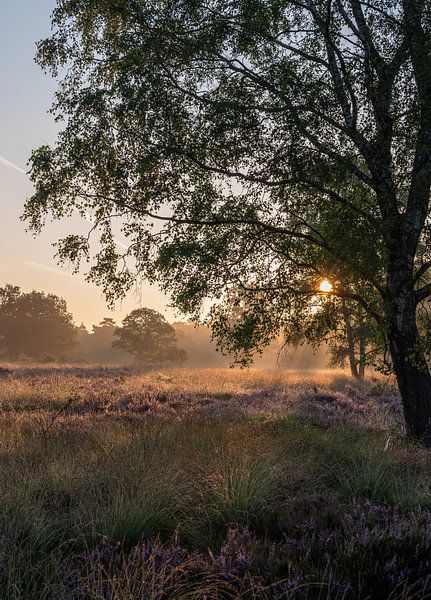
(325, 286)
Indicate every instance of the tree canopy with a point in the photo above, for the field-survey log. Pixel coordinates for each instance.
(147, 335)
(34, 324)
(262, 145)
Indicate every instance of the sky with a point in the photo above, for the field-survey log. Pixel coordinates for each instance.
(26, 95)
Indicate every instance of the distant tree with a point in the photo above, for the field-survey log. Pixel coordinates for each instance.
(146, 335)
(35, 324)
(96, 346)
(278, 141)
(82, 330)
(100, 343)
(103, 333)
(354, 341)
(105, 323)
(345, 328)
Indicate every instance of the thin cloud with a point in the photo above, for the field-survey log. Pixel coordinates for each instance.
(10, 165)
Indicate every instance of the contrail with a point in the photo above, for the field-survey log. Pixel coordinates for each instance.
(48, 268)
(10, 165)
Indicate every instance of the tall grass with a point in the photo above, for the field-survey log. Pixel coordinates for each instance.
(206, 485)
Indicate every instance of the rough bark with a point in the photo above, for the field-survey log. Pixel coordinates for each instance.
(414, 383)
(409, 362)
(362, 359)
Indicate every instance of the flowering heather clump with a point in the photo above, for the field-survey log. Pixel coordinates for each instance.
(372, 548)
(364, 551)
(350, 407)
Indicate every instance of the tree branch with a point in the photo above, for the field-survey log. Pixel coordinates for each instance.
(423, 293)
(421, 271)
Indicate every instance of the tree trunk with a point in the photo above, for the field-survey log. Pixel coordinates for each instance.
(350, 341)
(411, 369)
(362, 359)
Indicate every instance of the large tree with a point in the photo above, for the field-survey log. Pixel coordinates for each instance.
(262, 142)
(35, 324)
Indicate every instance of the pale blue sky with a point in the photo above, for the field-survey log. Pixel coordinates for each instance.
(25, 98)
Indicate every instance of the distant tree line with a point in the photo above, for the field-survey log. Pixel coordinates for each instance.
(37, 327)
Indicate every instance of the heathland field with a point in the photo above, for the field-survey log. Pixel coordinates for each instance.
(208, 484)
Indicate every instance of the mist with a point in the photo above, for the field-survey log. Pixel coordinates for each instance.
(36, 327)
